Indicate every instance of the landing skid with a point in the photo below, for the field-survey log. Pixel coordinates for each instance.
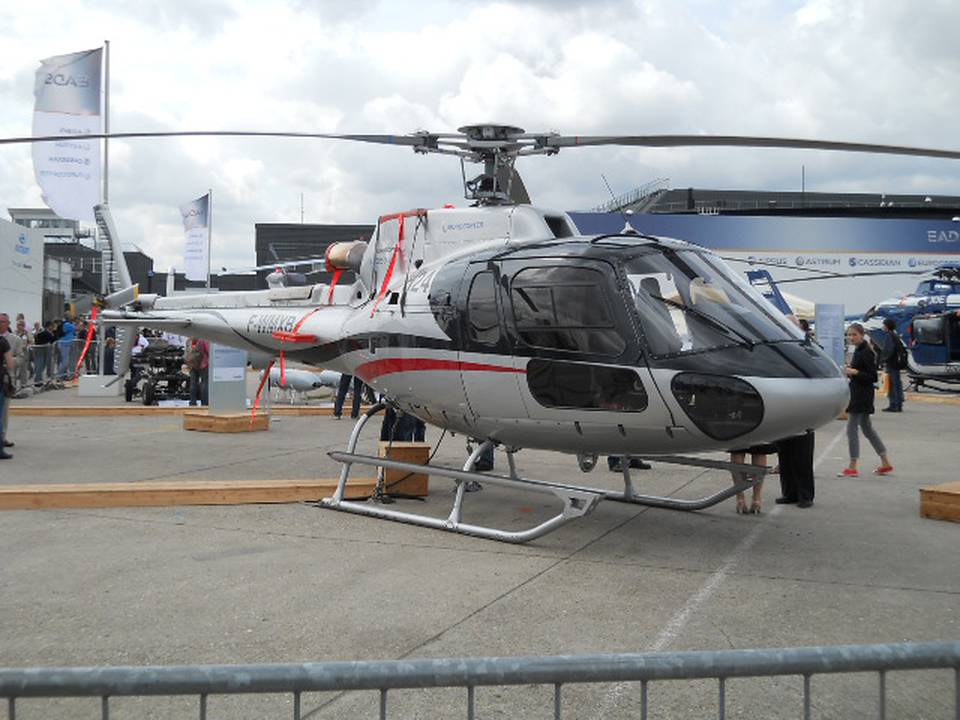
(576, 500)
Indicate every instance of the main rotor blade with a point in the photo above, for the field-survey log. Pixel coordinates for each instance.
(741, 141)
(410, 140)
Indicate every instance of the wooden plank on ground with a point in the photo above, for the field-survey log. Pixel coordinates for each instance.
(157, 493)
(94, 410)
(226, 422)
(138, 410)
(941, 502)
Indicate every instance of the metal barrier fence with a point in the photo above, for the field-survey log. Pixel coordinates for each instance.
(41, 364)
(470, 673)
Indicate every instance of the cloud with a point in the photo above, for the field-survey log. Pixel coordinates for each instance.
(196, 18)
(832, 69)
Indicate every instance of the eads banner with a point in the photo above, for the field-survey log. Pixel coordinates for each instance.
(67, 92)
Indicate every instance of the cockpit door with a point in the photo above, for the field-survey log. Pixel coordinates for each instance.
(489, 371)
(578, 357)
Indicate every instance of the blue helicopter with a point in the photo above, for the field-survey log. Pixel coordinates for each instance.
(928, 320)
(938, 291)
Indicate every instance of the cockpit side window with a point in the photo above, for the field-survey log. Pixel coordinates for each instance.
(483, 320)
(565, 308)
(685, 302)
(663, 324)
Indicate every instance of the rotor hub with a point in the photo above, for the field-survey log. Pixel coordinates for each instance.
(490, 131)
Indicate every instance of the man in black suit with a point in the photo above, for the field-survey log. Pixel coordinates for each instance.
(796, 470)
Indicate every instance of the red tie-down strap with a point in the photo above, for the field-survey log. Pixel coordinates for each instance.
(256, 400)
(86, 345)
(333, 284)
(294, 336)
(397, 251)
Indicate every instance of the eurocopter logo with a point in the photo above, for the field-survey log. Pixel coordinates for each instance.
(78, 81)
(874, 262)
(924, 262)
(458, 227)
(943, 236)
(768, 260)
(22, 247)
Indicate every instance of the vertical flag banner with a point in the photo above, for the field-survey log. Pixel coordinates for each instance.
(196, 225)
(67, 102)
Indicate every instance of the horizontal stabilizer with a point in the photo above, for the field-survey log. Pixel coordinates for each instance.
(147, 321)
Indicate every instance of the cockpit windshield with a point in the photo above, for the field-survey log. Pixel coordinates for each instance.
(688, 301)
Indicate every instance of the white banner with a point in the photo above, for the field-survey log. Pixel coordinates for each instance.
(67, 102)
(21, 271)
(829, 323)
(196, 225)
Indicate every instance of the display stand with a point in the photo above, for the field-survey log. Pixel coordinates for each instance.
(227, 378)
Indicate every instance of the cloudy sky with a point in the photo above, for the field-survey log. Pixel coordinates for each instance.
(884, 71)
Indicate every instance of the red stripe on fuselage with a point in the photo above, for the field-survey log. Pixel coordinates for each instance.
(376, 368)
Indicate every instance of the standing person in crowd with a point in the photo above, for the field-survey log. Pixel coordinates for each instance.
(6, 380)
(342, 390)
(92, 359)
(893, 351)
(401, 427)
(140, 343)
(758, 456)
(42, 359)
(82, 328)
(796, 470)
(21, 355)
(68, 334)
(197, 357)
(862, 373)
(109, 350)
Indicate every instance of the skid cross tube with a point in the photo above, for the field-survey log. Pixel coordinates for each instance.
(576, 501)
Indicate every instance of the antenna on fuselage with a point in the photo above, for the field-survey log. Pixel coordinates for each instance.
(628, 229)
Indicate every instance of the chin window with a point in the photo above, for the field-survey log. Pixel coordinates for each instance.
(722, 407)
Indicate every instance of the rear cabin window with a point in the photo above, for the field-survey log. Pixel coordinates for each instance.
(482, 318)
(565, 309)
(929, 331)
(560, 384)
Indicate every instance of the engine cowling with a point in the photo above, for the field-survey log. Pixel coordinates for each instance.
(345, 255)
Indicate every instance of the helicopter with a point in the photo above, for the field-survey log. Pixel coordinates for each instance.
(502, 322)
(937, 291)
(927, 319)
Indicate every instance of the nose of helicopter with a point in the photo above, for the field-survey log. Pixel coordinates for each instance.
(793, 406)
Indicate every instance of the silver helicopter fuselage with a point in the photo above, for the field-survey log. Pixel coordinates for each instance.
(504, 323)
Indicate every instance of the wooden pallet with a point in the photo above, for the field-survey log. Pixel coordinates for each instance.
(226, 422)
(941, 502)
(401, 482)
(175, 492)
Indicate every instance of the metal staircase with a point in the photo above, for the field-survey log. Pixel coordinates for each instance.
(639, 199)
(116, 277)
(115, 270)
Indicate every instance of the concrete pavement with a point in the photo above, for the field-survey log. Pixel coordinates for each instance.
(293, 583)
